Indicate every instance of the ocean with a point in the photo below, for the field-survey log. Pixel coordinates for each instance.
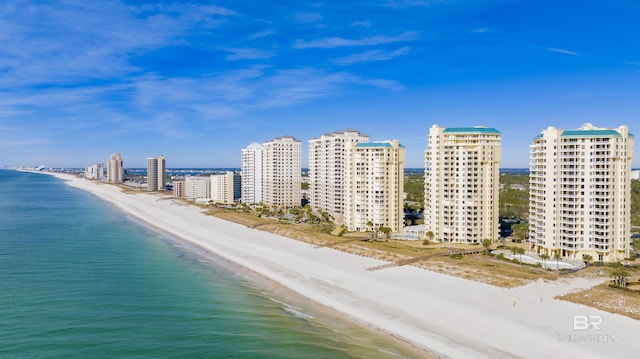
(79, 279)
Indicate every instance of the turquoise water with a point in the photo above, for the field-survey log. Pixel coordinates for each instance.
(80, 279)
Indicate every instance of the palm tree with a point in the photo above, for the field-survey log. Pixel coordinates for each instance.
(430, 234)
(557, 257)
(520, 251)
(486, 243)
(619, 276)
(369, 226)
(386, 231)
(544, 258)
(587, 258)
(514, 250)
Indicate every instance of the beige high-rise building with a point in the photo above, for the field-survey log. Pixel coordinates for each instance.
(327, 167)
(222, 188)
(462, 184)
(197, 187)
(156, 173)
(580, 192)
(282, 172)
(251, 188)
(115, 169)
(374, 186)
(178, 189)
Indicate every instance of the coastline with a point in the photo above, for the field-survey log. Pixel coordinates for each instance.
(450, 316)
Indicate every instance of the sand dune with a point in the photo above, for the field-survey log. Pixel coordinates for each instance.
(450, 316)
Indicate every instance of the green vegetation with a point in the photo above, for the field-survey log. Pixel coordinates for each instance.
(514, 201)
(521, 231)
(635, 203)
(514, 195)
(486, 244)
(414, 187)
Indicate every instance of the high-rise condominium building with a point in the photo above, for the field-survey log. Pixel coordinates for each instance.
(374, 186)
(282, 172)
(580, 192)
(156, 173)
(115, 169)
(223, 187)
(251, 174)
(178, 189)
(94, 172)
(462, 183)
(327, 166)
(197, 187)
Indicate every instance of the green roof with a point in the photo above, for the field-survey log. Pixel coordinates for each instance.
(591, 133)
(471, 130)
(537, 137)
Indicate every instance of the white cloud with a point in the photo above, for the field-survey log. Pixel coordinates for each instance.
(79, 40)
(366, 23)
(481, 30)
(261, 34)
(562, 51)
(307, 17)
(371, 56)
(248, 54)
(332, 42)
(413, 3)
(385, 84)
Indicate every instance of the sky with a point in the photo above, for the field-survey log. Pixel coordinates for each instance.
(198, 81)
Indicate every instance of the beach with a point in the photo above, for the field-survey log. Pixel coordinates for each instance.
(445, 315)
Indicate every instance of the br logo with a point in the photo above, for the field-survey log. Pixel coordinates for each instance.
(583, 322)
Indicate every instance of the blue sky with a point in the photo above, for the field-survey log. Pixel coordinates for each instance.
(198, 81)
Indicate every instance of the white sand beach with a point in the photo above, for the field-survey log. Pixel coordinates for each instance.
(450, 316)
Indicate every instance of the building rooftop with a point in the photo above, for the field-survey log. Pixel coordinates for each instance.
(373, 144)
(591, 133)
(387, 144)
(477, 129)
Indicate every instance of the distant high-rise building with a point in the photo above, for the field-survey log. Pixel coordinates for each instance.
(580, 192)
(327, 166)
(178, 189)
(95, 172)
(115, 169)
(282, 172)
(237, 186)
(462, 184)
(374, 186)
(251, 187)
(156, 173)
(222, 187)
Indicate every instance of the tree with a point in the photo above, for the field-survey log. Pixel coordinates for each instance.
(544, 258)
(386, 231)
(587, 258)
(486, 243)
(514, 250)
(430, 234)
(520, 251)
(521, 230)
(619, 276)
(557, 257)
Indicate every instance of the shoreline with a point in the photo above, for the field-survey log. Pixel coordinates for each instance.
(439, 314)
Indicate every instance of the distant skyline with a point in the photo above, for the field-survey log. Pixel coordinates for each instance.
(197, 82)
